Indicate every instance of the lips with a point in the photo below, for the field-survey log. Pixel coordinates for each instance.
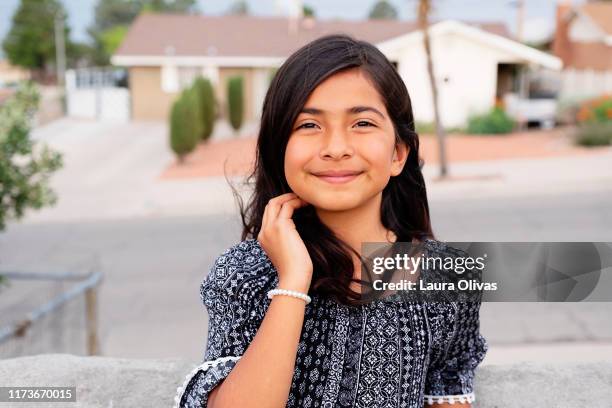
(337, 173)
(338, 176)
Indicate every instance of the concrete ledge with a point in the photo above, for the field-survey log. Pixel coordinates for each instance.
(116, 382)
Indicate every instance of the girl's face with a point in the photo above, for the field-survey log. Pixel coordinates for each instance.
(344, 128)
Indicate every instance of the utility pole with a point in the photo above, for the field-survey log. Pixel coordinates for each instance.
(520, 18)
(60, 48)
(296, 12)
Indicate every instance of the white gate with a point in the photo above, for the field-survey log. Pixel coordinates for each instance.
(96, 93)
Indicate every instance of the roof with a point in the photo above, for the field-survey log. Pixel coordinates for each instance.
(185, 35)
(600, 13)
(516, 51)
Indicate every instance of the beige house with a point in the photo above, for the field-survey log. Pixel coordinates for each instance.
(165, 52)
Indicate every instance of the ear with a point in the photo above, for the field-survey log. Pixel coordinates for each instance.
(400, 155)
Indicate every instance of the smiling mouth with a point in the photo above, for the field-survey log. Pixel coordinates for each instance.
(338, 179)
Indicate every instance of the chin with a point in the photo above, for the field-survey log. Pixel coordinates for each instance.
(336, 202)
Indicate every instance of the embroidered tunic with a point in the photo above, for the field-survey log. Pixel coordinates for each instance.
(382, 354)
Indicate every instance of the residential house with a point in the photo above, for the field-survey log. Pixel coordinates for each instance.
(583, 40)
(476, 63)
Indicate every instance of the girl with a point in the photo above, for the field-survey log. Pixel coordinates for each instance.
(337, 164)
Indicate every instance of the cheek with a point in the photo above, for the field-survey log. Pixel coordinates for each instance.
(296, 157)
(378, 153)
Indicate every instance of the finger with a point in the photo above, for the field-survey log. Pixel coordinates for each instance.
(274, 206)
(289, 207)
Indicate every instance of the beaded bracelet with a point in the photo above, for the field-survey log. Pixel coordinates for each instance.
(288, 292)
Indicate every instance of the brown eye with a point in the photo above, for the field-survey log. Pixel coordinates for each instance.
(304, 124)
(366, 123)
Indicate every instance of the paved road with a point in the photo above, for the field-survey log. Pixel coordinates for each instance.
(155, 241)
(150, 304)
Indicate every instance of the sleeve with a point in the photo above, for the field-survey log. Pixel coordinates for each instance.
(235, 309)
(450, 375)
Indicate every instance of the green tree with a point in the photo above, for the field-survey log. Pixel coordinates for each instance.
(30, 42)
(308, 11)
(239, 7)
(24, 170)
(111, 14)
(170, 6)
(112, 38)
(383, 10)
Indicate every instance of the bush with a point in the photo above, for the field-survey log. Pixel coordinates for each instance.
(594, 134)
(496, 121)
(185, 129)
(596, 110)
(25, 166)
(195, 100)
(427, 128)
(235, 101)
(594, 120)
(204, 90)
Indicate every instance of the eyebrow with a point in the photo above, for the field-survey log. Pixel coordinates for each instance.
(353, 110)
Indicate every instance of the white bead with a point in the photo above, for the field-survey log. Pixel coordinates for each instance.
(280, 291)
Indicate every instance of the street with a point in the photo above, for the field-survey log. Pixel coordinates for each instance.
(156, 240)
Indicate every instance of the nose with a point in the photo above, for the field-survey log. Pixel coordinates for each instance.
(336, 145)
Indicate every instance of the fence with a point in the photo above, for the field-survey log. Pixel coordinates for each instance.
(98, 93)
(44, 313)
(579, 84)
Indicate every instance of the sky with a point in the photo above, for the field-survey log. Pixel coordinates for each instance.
(539, 14)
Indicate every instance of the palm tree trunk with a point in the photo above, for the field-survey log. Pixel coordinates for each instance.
(423, 13)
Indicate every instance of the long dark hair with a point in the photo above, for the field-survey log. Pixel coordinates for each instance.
(404, 208)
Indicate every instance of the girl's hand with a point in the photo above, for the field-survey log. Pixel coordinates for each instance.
(283, 245)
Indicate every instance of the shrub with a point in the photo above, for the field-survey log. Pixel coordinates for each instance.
(496, 121)
(594, 134)
(235, 101)
(195, 100)
(26, 166)
(425, 128)
(184, 126)
(429, 128)
(594, 120)
(596, 110)
(206, 94)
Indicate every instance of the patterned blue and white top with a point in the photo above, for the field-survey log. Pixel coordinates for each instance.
(382, 354)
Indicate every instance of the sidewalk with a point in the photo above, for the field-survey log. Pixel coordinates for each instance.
(126, 170)
(239, 152)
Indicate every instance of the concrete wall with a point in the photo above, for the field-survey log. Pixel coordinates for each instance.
(116, 382)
